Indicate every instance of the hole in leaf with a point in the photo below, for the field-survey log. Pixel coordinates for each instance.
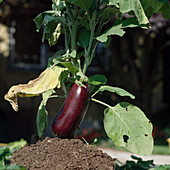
(125, 138)
(146, 134)
(126, 109)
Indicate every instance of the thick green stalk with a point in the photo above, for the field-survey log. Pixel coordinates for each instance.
(74, 35)
(74, 39)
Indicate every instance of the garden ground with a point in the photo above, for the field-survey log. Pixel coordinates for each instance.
(123, 156)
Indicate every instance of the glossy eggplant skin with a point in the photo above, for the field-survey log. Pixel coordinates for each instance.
(72, 112)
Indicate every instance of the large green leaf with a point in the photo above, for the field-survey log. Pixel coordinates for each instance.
(132, 5)
(117, 28)
(128, 126)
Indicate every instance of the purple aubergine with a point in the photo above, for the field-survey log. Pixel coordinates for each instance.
(72, 112)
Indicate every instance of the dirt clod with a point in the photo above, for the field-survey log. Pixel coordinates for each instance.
(62, 154)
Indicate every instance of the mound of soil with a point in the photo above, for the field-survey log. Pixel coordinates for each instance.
(62, 154)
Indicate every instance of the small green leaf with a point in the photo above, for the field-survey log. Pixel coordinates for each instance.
(1, 1)
(73, 69)
(97, 79)
(117, 90)
(17, 144)
(42, 119)
(128, 126)
(73, 54)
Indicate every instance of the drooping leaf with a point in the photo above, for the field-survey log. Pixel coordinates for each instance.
(131, 5)
(52, 25)
(42, 119)
(118, 28)
(52, 30)
(117, 90)
(42, 115)
(97, 79)
(128, 126)
(48, 79)
(39, 20)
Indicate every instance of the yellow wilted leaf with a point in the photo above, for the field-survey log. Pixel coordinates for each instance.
(48, 79)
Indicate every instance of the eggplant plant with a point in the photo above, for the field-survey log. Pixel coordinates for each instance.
(84, 24)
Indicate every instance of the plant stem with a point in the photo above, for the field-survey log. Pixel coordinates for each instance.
(66, 39)
(91, 39)
(87, 52)
(54, 96)
(74, 35)
(100, 102)
(74, 39)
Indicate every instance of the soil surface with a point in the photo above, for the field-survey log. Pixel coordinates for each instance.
(62, 154)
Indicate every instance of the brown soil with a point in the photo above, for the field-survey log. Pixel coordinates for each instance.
(61, 154)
